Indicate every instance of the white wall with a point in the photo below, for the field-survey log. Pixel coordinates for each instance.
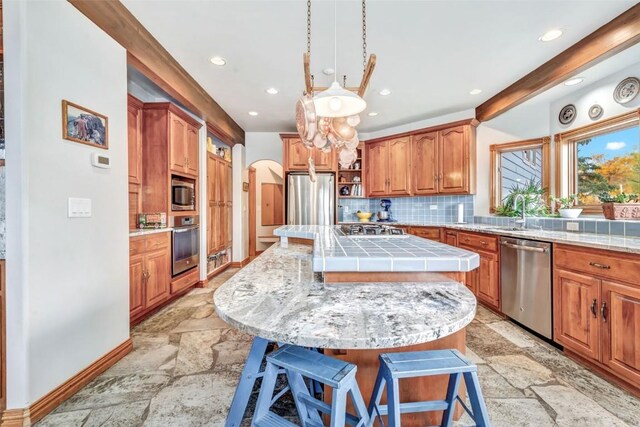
(263, 146)
(68, 285)
(240, 205)
(267, 171)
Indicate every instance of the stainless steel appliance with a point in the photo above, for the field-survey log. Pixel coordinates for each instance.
(311, 203)
(525, 277)
(385, 214)
(183, 194)
(371, 230)
(186, 243)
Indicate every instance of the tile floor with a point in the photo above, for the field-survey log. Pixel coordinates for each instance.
(186, 362)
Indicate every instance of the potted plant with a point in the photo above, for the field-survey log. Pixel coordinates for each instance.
(566, 206)
(534, 201)
(620, 205)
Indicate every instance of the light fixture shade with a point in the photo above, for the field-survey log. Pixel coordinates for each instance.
(338, 102)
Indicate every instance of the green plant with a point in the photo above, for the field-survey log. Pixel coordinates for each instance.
(622, 197)
(534, 201)
(565, 202)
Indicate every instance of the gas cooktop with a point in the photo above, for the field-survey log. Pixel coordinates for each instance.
(371, 230)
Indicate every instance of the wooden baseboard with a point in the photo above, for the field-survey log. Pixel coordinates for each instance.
(218, 271)
(241, 263)
(15, 418)
(50, 401)
(202, 284)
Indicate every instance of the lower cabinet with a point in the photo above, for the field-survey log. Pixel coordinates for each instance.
(489, 279)
(431, 233)
(149, 273)
(484, 281)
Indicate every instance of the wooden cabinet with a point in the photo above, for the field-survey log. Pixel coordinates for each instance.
(183, 145)
(596, 307)
(325, 161)
(191, 151)
(444, 160)
(296, 156)
(484, 281)
(219, 201)
(134, 141)
(388, 167)
(451, 237)
(149, 273)
(431, 233)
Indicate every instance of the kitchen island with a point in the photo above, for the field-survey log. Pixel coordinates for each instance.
(281, 297)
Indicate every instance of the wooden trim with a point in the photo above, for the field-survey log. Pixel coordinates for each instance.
(146, 54)
(3, 336)
(471, 122)
(608, 40)
(174, 109)
(51, 400)
(252, 211)
(217, 271)
(241, 263)
(496, 150)
(15, 418)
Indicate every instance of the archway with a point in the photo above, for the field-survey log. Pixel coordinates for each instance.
(266, 204)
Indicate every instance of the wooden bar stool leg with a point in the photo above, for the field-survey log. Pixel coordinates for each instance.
(393, 402)
(480, 415)
(452, 392)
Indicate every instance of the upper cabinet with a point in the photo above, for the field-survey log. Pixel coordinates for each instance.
(296, 156)
(183, 145)
(134, 140)
(425, 159)
(388, 167)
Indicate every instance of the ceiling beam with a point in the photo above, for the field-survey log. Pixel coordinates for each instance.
(153, 60)
(608, 40)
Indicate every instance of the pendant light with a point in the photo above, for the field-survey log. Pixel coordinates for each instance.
(337, 101)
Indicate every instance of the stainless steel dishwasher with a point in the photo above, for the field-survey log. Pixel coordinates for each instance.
(525, 277)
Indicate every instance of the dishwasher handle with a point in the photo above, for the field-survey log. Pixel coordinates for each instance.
(525, 248)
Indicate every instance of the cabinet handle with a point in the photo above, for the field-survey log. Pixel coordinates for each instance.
(440, 177)
(603, 311)
(483, 243)
(593, 308)
(598, 265)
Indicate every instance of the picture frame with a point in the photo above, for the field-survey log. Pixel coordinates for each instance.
(79, 124)
(245, 186)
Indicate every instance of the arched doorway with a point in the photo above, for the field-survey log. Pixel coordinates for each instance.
(266, 204)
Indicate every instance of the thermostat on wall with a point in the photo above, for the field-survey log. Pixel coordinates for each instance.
(101, 161)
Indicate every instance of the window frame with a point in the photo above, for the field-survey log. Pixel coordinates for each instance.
(566, 154)
(496, 151)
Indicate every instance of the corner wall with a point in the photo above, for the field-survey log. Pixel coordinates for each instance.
(68, 284)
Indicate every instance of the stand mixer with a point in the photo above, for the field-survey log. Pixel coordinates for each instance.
(385, 214)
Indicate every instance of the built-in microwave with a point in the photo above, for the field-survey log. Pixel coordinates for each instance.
(183, 194)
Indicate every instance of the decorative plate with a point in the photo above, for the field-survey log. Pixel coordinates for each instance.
(595, 112)
(567, 114)
(306, 120)
(627, 90)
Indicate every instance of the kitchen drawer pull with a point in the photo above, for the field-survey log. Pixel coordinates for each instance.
(483, 243)
(593, 308)
(603, 310)
(598, 265)
(525, 248)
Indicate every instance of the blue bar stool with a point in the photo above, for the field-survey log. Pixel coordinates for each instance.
(396, 366)
(300, 364)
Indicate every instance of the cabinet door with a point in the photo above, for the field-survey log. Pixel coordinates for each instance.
(431, 233)
(222, 195)
(451, 238)
(454, 152)
(620, 322)
(158, 269)
(191, 151)
(324, 161)
(489, 279)
(425, 163)
(297, 154)
(229, 205)
(399, 173)
(134, 139)
(575, 309)
(135, 205)
(377, 170)
(136, 285)
(177, 143)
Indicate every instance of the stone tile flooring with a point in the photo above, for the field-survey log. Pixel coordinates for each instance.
(186, 363)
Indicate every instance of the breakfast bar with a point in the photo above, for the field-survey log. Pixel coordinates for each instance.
(283, 296)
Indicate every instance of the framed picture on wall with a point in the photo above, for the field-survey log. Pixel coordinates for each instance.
(82, 125)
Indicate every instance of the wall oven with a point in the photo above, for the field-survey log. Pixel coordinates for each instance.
(185, 244)
(183, 194)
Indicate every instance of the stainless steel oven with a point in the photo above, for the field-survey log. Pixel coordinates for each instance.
(183, 194)
(185, 244)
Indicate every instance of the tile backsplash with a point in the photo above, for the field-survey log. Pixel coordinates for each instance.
(424, 210)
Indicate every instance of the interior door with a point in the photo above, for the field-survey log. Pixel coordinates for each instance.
(399, 171)
(178, 135)
(575, 307)
(377, 168)
(453, 161)
(158, 264)
(425, 163)
(191, 150)
(136, 285)
(620, 320)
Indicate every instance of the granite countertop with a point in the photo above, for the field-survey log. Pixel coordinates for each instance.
(590, 240)
(278, 297)
(335, 251)
(137, 232)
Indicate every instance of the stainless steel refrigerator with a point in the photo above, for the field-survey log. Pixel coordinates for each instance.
(311, 203)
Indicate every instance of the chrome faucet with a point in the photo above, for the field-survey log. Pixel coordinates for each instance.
(522, 222)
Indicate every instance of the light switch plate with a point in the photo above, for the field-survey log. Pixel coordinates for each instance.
(79, 208)
(573, 226)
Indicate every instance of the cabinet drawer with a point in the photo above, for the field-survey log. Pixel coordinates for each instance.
(478, 241)
(598, 263)
(142, 244)
(184, 281)
(430, 233)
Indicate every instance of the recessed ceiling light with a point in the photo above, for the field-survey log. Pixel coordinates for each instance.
(475, 91)
(218, 60)
(272, 91)
(550, 35)
(328, 71)
(385, 92)
(253, 113)
(372, 114)
(574, 81)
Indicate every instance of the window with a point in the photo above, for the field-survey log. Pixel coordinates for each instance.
(517, 164)
(602, 157)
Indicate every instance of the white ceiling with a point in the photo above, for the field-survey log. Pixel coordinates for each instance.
(430, 53)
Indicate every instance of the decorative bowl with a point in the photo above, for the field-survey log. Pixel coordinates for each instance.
(364, 216)
(570, 213)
